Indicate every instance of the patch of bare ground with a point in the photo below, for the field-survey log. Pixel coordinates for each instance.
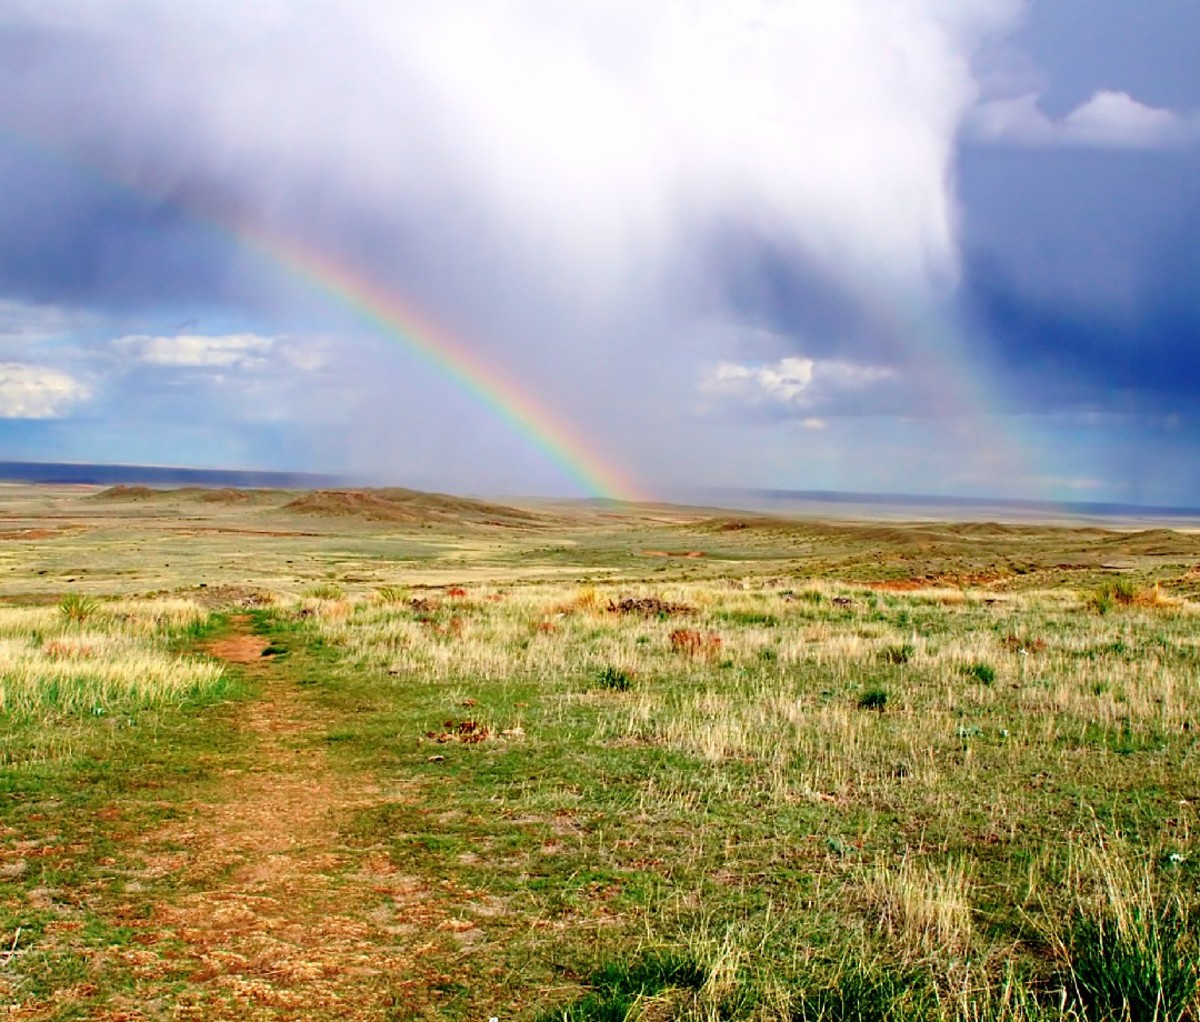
(270, 915)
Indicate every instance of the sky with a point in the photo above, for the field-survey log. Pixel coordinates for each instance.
(608, 247)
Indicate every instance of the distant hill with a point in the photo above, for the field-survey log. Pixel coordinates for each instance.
(412, 506)
(160, 475)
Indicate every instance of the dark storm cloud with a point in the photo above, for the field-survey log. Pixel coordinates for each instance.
(1080, 271)
(63, 239)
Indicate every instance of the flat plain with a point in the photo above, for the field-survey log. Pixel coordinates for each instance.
(392, 755)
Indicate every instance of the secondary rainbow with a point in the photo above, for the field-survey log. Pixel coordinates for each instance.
(399, 319)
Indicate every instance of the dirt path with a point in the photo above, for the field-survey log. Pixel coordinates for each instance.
(282, 921)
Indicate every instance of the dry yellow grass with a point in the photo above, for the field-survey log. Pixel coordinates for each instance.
(51, 664)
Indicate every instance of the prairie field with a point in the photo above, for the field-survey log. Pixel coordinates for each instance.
(386, 755)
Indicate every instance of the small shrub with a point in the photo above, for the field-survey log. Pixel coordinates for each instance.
(873, 699)
(901, 654)
(391, 594)
(77, 608)
(983, 673)
(615, 679)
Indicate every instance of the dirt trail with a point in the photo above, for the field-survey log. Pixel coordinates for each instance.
(278, 920)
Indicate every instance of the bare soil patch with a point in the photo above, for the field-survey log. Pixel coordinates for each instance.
(239, 649)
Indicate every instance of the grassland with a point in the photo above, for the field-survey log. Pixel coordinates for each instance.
(398, 757)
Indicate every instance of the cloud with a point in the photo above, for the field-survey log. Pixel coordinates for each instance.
(567, 188)
(38, 392)
(791, 385)
(1109, 120)
(243, 351)
(588, 149)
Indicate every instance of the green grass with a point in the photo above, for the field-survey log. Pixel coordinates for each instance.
(746, 793)
(659, 830)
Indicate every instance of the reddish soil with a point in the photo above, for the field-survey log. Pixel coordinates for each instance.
(239, 649)
(39, 533)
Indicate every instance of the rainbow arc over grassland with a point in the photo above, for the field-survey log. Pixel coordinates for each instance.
(395, 317)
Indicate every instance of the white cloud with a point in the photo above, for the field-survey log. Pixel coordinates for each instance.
(38, 392)
(229, 351)
(793, 383)
(594, 132)
(1109, 120)
(1116, 119)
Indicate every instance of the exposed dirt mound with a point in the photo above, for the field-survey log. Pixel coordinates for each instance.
(123, 492)
(411, 506)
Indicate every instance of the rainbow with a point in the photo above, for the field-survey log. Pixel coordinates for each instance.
(399, 319)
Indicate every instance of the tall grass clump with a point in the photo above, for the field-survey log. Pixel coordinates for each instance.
(615, 679)
(1131, 944)
(1135, 964)
(77, 608)
(922, 908)
(1117, 593)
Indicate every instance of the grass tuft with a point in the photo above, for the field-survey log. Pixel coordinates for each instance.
(873, 699)
(621, 989)
(77, 608)
(615, 679)
(983, 673)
